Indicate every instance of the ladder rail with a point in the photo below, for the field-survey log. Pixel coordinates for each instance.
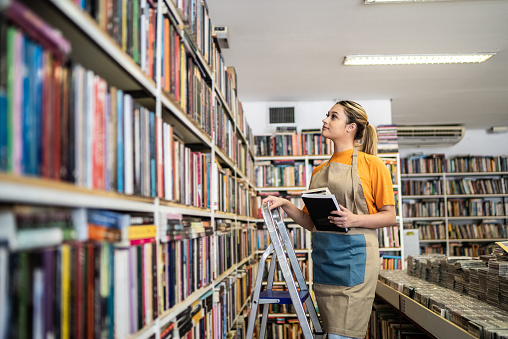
(257, 291)
(286, 271)
(282, 229)
(266, 307)
(277, 217)
(284, 255)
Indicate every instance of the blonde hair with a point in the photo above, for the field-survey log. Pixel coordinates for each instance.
(366, 135)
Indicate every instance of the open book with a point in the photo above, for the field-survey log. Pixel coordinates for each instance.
(320, 203)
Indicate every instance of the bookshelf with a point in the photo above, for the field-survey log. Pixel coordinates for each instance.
(185, 153)
(460, 204)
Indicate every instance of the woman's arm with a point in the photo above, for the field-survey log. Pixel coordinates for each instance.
(299, 216)
(347, 219)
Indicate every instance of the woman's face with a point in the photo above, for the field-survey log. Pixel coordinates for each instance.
(335, 124)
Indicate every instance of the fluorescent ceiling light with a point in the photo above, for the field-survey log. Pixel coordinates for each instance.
(368, 2)
(413, 59)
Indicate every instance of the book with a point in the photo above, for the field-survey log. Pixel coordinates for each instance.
(503, 245)
(319, 190)
(320, 204)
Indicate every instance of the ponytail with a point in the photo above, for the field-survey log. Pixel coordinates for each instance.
(369, 144)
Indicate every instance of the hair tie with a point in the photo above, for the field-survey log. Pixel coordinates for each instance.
(367, 124)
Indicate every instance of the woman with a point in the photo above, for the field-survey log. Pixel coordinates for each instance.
(346, 265)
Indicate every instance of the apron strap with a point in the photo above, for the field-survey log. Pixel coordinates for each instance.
(355, 178)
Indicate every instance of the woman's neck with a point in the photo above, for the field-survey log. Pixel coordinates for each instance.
(341, 147)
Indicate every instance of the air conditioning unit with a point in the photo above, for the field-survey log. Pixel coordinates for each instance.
(429, 136)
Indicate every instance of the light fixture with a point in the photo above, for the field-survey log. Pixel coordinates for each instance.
(369, 2)
(414, 59)
(497, 129)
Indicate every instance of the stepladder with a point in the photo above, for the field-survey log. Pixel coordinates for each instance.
(296, 290)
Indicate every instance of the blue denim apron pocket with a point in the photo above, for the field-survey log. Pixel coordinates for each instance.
(339, 259)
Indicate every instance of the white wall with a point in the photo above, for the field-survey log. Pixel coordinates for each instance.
(309, 114)
(474, 142)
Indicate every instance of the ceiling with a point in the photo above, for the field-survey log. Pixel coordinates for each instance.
(292, 50)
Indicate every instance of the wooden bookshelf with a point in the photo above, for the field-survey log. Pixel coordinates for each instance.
(456, 186)
(98, 52)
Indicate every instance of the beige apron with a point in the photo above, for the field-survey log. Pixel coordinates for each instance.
(346, 265)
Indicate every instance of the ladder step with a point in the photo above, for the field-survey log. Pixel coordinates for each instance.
(280, 297)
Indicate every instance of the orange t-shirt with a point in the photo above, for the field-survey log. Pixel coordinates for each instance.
(374, 176)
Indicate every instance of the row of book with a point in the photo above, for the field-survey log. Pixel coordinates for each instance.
(387, 141)
(455, 186)
(437, 163)
(477, 186)
(94, 273)
(279, 277)
(283, 327)
(99, 138)
(297, 235)
(224, 131)
(131, 24)
(197, 31)
(485, 230)
(391, 165)
(235, 241)
(187, 266)
(433, 248)
(280, 173)
(432, 230)
(386, 323)
(232, 295)
(244, 162)
(64, 271)
(295, 196)
(455, 207)
(198, 24)
(308, 142)
(213, 314)
(427, 208)
(243, 126)
(468, 249)
(476, 207)
(67, 123)
(422, 187)
(183, 79)
(389, 236)
(283, 309)
(390, 262)
(436, 230)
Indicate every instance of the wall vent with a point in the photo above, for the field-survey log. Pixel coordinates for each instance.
(281, 115)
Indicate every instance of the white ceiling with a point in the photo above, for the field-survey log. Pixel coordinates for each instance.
(292, 50)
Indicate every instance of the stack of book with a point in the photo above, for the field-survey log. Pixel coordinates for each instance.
(387, 139)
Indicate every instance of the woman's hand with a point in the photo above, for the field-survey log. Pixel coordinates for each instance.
(275, 202)
(343, 218)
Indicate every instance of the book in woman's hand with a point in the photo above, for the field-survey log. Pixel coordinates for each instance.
(320, 203)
